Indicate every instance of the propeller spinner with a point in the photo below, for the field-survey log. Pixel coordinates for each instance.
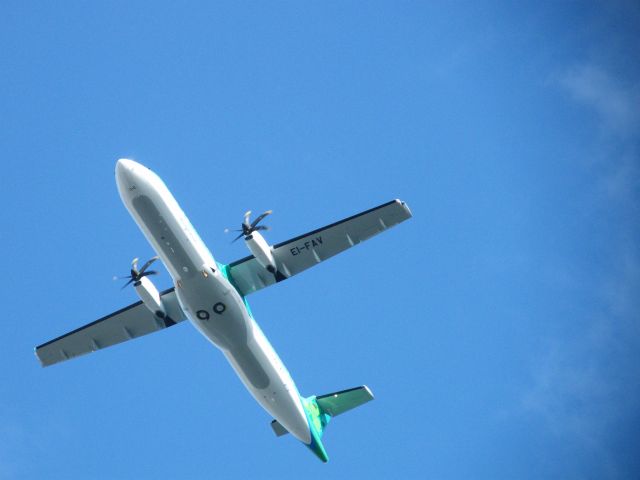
(249, 228)
(136, 274)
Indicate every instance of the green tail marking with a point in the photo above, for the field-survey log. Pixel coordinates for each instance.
(317, 420)
(321, 409)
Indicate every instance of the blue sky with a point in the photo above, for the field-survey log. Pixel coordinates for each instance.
(499, 328)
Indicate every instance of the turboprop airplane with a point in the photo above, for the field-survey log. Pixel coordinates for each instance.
(212, 296)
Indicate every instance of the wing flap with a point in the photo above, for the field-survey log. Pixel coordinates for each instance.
(131, 322)
(304, 251)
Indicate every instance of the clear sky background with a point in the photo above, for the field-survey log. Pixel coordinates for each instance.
(499, 328)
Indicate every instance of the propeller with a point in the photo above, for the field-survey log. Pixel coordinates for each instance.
(249, 228)
(136, 274)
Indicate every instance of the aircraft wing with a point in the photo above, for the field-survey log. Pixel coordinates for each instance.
(304, 251)
(126, 324)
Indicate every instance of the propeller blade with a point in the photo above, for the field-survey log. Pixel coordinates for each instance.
(146, 265)
(246, 219)
(121, 278)
(150, 272)
(257, 220)
(262, 227)
(134, 264)
(127, 284)
(238, 237)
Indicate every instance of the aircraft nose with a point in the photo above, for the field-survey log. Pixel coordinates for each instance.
(125, 165)
(126, 173)
(124, 170)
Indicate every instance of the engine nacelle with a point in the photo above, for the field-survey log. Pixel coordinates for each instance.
(261, 250)
(150, 296)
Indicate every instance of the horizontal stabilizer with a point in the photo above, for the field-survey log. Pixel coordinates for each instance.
(329, 406)
(278, 429)
(339, 402)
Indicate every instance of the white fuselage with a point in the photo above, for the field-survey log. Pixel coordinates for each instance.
(208, 299)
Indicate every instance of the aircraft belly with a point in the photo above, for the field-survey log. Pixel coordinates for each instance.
(218, 312)
(163, 223)
(273, 388)
(215, 310)
(168, 238)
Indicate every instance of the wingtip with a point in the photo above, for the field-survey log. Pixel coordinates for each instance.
(404, 205)
(368, 390)
(35, 352)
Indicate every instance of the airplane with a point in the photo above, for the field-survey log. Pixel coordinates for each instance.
(212, 296)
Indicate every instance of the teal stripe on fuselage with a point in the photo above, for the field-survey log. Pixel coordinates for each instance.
(316, 419)
(226, 272)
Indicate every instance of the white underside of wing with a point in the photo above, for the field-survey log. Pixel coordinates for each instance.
(302, 252)
(131, 322)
